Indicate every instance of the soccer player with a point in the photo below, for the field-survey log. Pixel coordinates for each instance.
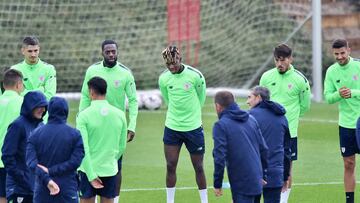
(54, 152)
(37, 74)
(291, 89)
(104, 132)
(274, 128)
(238, 144)
(184, 90)
(342, 84)
(19, 178)
(120, 83)
(10, 104)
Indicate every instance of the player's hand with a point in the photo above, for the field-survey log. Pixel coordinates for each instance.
(53, 187)
(130, 136)
(97, 183)
(285, 186)
(218, 192)
(345, 92)
(46, 170)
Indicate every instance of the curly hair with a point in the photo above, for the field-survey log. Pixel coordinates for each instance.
(171, 55)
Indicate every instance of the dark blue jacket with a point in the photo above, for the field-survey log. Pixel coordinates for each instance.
(58, 147)
(238, 144)
(19, 179)
(274, 128)
(358, 132)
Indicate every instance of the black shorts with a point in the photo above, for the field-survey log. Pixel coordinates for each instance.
(2, 182)
(348, 144)
(18, 198)
(294, 148)
(87, 191)
(194, 139)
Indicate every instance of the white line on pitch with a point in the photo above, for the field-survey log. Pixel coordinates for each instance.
(194, 188)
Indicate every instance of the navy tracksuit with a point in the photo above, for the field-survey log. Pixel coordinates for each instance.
(19, 179)
(358, 132)
(238, 143)
(58, 147)
(274, 128)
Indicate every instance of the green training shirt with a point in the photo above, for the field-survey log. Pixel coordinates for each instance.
(120, 82)
(292, 90)
(103, 130)
(40, 76)
(10, 105)
(185, 94)
(338, 76)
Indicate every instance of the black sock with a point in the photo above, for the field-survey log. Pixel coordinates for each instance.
(349, 197)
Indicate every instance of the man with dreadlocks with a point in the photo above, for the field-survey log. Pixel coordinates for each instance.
(184, 91)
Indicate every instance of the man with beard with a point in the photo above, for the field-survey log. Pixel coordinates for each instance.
(342, 84)
(120, 83)
(290, 88)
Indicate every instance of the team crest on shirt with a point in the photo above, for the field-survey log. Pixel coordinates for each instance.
(290, 86)
(117, 83)
(355, 77)
(42, 78)
(187, 86)
(343, 149)
(104, 111)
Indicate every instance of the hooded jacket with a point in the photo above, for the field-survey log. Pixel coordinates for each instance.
(58, 147)
(19, 179)
(275, 130)
(238, 144)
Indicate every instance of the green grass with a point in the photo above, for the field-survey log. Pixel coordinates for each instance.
(319, 161)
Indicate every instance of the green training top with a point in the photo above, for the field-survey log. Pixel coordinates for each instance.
(10, 105)
(103, 130)
(40, 76)
(185, 94)
(120, 82)
(292, 90)
(338, 76)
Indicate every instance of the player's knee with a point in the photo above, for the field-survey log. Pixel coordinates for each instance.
(171, 167)
(349, 164)
(199, 169)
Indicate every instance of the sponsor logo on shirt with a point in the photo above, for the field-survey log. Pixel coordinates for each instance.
(355, 77)
(42, 78)
(187, 86)
(104, 111)
(117, 83)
